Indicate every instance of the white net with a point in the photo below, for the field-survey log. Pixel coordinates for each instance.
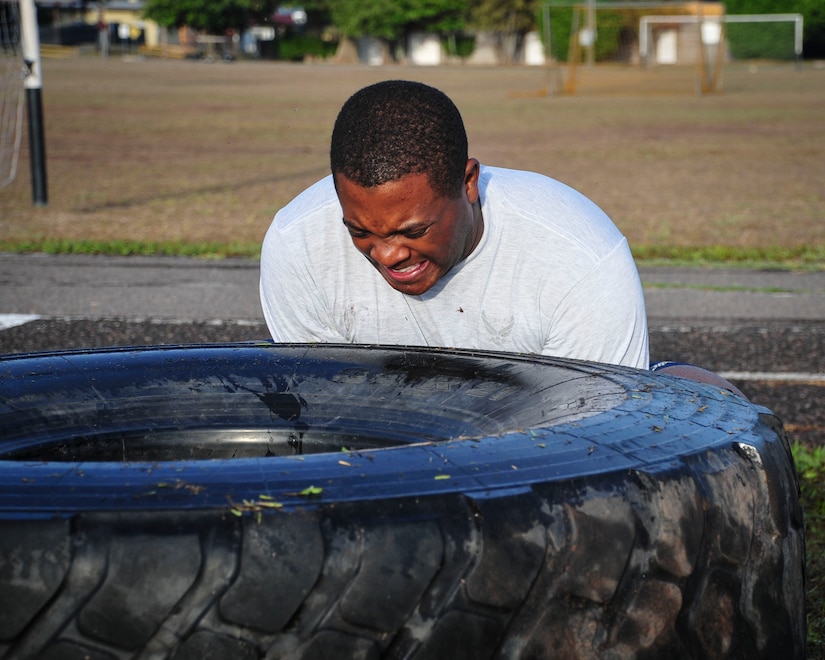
(773, 37)
(693, 37)
(12, 75)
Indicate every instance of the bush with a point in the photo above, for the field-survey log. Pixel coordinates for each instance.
(460, 45)
(296, 47)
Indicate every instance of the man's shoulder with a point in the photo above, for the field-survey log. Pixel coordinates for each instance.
(315, 204)
(308, 226)
(502, 182)
(532, 209)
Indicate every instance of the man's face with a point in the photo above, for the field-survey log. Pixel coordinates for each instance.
(410, 234)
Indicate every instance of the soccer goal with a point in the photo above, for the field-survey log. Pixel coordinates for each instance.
(765, 36)
(742, 36)
(20, 85)
(609, 32)
(696, 39)
(720, 39)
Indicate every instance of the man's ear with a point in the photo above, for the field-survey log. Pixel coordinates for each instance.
(471, 174)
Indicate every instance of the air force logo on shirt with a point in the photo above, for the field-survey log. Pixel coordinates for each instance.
(498, 328)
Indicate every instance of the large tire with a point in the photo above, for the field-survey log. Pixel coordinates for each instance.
(254, 500)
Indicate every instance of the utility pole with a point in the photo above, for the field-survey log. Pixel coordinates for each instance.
(30, 46)
(591, 32)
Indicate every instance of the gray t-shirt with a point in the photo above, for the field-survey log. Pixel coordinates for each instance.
(551, 275)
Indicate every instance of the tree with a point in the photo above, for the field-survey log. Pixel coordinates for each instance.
(213, 16)
(509, 20)
(394, 20)
(508, 16)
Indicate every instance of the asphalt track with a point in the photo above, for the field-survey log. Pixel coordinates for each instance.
(765, 330)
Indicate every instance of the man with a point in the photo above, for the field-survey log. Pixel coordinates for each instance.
(412, 242)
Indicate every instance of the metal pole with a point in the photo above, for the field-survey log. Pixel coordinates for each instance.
(591, 28)
(30, 45)
(549, 61)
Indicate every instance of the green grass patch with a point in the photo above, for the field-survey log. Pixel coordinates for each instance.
(134, 248)
(803, 257)
(810, 464)
(722, 289)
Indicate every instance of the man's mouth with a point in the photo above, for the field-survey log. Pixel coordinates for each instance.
(407, 273)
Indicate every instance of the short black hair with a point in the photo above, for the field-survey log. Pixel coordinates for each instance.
(398, 127)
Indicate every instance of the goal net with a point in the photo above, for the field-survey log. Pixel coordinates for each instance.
(695, 40)
(12, 74)
(742, 36)
(764, 36)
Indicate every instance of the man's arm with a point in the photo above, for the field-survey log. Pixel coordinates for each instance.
(603, 317)
(293, 306)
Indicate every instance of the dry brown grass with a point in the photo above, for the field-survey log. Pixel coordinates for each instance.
(185, 151)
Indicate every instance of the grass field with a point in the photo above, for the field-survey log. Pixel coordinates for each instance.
(193, 153)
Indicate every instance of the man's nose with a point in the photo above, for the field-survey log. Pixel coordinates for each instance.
(389, 251)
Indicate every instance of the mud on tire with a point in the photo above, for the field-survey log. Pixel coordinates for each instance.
(252, 501)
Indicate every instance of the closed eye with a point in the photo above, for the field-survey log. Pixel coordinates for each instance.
(415, 233)
(355, 232)
(412, 233)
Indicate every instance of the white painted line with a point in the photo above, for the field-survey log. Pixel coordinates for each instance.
(11, 320)
(774, 376)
